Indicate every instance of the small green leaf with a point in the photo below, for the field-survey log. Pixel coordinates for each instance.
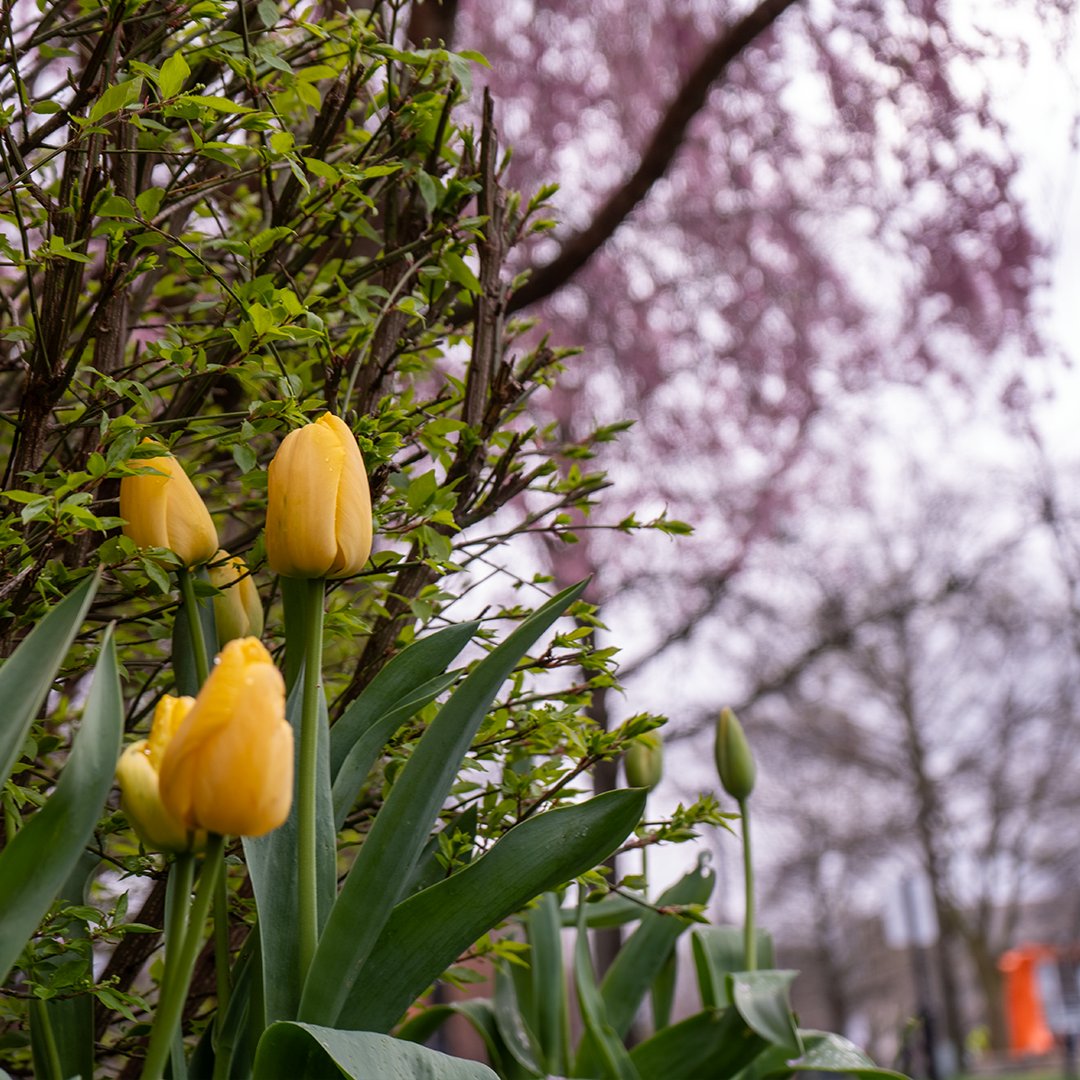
(458, 270)
(174, 73)
(115, 98)
(149, 201)
(217, 104)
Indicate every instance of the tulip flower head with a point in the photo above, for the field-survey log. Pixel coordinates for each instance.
(238, 609)
(318, 519)
(229, 768)
(734, 761)
(137, 774)
(644, 761)
(163, 509)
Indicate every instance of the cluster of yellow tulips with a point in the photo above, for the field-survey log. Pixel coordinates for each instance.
(223, 762)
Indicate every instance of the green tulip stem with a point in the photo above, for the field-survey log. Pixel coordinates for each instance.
(308, 774)
(177, 908)
(180, 962)
(749, 930)
(39, 1017)
(221, 948)
(195, 626)
(645, 868)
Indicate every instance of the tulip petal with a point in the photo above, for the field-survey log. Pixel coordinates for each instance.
(140, 800)
(229, 767)
(143, 504)
(353, 507)
(301, 516)
(163, 509)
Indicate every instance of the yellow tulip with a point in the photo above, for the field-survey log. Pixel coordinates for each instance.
(137, 774)
(238, 610)
(229, 768)
(318, 521)
(163, 509)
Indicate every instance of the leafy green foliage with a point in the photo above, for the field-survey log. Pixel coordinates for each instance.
(217, 221)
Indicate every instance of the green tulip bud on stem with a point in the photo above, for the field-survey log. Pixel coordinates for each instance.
(734, 761)
(318, 526)
(644, 761)
(735, 764)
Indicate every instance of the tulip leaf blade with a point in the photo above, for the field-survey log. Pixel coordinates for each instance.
(823, 1052)
(429, 930)
(377, 878)
(762, 1000)
(295, 1051)
(402, 677)
(38, 861)
(598, 1031)
(27, 675)
(713, 1042)
(349, 779)
(718, 950)
(641, 960)
(272, 864)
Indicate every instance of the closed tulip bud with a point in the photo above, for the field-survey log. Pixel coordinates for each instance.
(229, 768)
(318, 519)
(163, 509)
(644, 761)
(238, 609)
(734, 762)
(137, 774)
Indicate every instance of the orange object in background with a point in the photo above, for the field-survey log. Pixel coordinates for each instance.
(1029, 1033)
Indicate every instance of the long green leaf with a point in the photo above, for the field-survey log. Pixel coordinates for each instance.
(402, 826)
(401, 677)
(70, 1020)
(824, 1052)
(718, 950)
(512, 1025)
(548, 981)
(663, 991)
(427, 932)
(272, 862)
(761, 999)
(27, 675)
(290, 1051)
(481, 1015)
(709, 1043)
(642, 958)
(612, 1057)
(349, 779)
(429, 870)
(39, 860)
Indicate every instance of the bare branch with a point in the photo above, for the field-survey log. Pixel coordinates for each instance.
(666, 140)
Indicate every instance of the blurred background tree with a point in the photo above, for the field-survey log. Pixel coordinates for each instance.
(782, 225)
